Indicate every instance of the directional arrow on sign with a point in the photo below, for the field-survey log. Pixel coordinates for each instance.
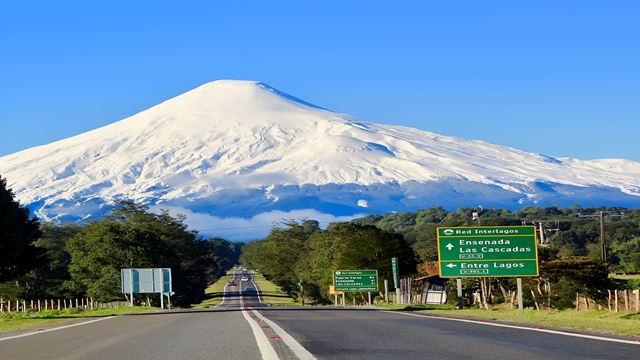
(449, 246)
(451, 265)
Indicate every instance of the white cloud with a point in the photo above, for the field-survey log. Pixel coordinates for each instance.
(256, 227)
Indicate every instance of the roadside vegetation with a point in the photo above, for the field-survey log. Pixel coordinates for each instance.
(33, 320)
(301, 252)
(622, 323)
(271, 293)
(213, 294)
(69, 260)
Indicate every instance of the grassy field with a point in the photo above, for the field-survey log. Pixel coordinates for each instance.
(622, 323)
(271, 293)
(23, 321)
(213, 293)
(625, 277)
(629, 281)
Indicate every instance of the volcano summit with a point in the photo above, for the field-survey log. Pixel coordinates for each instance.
(241, 149)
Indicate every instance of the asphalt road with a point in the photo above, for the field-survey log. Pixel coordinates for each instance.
(373, 334)
(241, 327)
(220, 333)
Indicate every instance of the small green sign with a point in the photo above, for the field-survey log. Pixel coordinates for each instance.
(493, 251)
(355, 280)
(395, 267)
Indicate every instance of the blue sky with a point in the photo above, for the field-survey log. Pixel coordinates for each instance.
(556, 77)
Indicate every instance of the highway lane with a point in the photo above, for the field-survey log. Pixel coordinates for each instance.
(221, 333)
(241, 327)
(372, 334)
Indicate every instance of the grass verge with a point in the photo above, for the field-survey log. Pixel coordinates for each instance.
(214, 292)
(622, 323)
(271, 293)
(25, 321)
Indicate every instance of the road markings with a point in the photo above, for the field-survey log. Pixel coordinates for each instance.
(224, 294)
(266, 350)
(298, 350)
(257, 291)
(554, 332)
(54, 329)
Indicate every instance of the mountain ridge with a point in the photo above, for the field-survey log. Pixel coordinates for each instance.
(253, 148)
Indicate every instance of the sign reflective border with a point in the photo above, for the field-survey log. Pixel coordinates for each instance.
(491, 251)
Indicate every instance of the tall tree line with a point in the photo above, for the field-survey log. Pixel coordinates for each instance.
(301, 251)
(68, 260)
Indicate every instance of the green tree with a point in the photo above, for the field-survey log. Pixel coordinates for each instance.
(132, 237)
(18, 234)
(47, 280)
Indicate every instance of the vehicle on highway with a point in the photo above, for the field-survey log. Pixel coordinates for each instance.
(232, 283)
(250, 289)
(245, 279)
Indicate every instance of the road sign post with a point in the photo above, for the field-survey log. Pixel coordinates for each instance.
(395, 268)
(355, 280)
(520, 305)
(490, 251)
(460, 298)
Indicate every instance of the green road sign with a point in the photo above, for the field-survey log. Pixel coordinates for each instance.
(395, 268)
(355, 280)
(496, 251)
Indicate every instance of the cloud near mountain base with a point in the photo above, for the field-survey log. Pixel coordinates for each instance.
(255, 227)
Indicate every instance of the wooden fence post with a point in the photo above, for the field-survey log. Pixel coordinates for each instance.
(577, 302)
(609, 300)
(39, 308)
(626, 300)
(24, 305)
(616, 300)
(637, 300)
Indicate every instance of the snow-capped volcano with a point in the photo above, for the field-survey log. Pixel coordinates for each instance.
(241, 148)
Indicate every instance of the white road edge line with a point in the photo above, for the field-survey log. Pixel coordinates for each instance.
(555, 332)
(266, 350)
(298, 350)
(54, 329)
(224, 295)
(258, 291)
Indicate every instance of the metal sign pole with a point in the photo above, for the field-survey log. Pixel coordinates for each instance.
(131, 284)
(161, 289)
(386, 290)
(460, 298)
(520, 305)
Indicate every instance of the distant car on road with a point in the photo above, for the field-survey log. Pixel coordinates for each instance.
(244, 278)
(232, 283)
(249, 289)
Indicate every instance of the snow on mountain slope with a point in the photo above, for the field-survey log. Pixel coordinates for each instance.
(238, 148)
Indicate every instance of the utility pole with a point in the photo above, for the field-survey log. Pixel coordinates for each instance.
(603, 242)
